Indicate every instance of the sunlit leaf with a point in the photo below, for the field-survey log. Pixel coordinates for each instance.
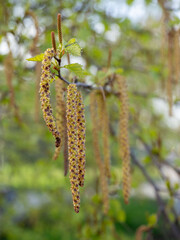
(129, 2)
(72, 40)
(119, 70)
(76, 68)
(73, 47)
(152, 219)
(37, 58)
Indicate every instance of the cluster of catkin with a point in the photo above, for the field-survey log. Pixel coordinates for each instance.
(69, 127)
(100, 122)
(100, 127)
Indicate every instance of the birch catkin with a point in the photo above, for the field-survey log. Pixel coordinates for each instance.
(123, 138)
(44, 91)
(71, 115)
(9, 72)
(95, 130)
(9, 69)
(81, 138)
(177, 56)
(170, 72)
(65, 152)
(104, 122)
(60, 113)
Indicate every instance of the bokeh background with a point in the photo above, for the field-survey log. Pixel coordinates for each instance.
(35, 197)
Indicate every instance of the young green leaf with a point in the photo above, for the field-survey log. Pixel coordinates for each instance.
(73, 47)
(152, 220)
(72, 40)
(76, 68)
(37, 58)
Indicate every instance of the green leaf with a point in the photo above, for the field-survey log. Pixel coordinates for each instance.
(72, 40)
(73, 47)
(152, 219)
(148, 2)
(37, 58)
(119, 70)
(76, 68)
(129, 2)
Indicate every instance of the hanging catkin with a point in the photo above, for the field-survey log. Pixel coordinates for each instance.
(9, 68)
(177, 56)
(44, 91)
(95, 130)
(123, 137)
(81, 138)
(65, 152)
(104, 123)
(71, 114)
(60, 113)
(163, 39)
(9, 72)
(170, 71)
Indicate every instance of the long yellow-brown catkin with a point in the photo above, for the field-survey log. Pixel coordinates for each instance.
(99, 101)
(9, 72)
(95, 131)
(71, 115)
(104, 122)
(177, 56)
(65, 152)
(81, 128)
(44, 91)
(9, 68)
(170, 72)
(60, 113)
(123, 137)
(163, 39)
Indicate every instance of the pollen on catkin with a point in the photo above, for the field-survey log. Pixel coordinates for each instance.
(104, 122)
(123, 137)
(44, 91)
(97, 153)
(81, 128)
(60, 113)
(71, 116)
